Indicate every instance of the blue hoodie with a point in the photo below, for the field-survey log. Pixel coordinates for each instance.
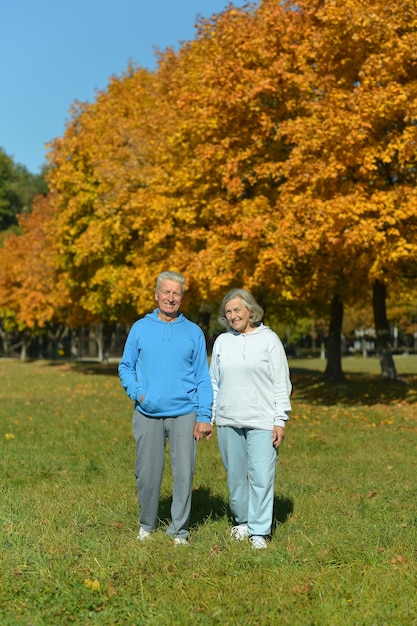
(166, 362)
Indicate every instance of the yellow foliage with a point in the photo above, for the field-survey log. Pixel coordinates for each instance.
(275, 151)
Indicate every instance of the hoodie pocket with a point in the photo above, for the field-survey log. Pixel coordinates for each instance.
(243, 401)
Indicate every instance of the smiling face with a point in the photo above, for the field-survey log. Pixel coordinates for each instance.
(169, 297)
(238, 315)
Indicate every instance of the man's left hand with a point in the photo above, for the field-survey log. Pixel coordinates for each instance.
(202, 430)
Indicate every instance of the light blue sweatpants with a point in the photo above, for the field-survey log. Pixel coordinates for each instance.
(150, 436)
(250, 460)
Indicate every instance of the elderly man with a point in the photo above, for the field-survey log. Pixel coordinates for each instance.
(164, 370)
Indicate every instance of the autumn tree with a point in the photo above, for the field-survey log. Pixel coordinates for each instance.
(32, 297)
(350, 192)
(187, 173)
(106, 171)
(227, 92)
(274, 151)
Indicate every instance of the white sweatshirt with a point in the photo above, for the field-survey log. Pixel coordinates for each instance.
(251, 380)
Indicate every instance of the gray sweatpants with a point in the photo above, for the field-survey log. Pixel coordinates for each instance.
(150, 435)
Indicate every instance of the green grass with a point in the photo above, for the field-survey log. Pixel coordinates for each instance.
(344, 549)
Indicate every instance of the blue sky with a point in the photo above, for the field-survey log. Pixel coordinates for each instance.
(54, 52)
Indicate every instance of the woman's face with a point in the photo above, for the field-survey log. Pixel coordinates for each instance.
(237, 315)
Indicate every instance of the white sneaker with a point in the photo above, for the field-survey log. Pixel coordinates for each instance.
(258, 542)
(143, 534)
(180, 541)
(239, 532)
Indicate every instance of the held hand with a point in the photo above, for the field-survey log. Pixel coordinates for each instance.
(278, 435)
(202, 430)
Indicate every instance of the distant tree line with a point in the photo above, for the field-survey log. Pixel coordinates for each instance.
(18, 188)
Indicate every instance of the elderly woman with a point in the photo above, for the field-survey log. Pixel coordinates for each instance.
(251, 382)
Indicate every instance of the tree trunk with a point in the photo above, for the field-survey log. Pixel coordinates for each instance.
(97, 332)
(334, 343)
(383, 344)
(26, 341)
(4, 336)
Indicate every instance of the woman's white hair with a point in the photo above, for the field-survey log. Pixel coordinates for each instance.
(255, 309)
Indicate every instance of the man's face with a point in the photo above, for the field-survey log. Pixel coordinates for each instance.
(169, 297)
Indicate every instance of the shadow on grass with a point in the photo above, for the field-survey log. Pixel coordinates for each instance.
(205, 504)
(283, 508)
(310, 387)
(211, 505)
(92, 368)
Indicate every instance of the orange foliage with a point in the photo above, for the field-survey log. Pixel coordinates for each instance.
(350, 191)
(275, 151)
(102, 172)
(31, 296)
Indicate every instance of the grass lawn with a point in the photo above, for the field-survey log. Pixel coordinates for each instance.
(344, 548)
